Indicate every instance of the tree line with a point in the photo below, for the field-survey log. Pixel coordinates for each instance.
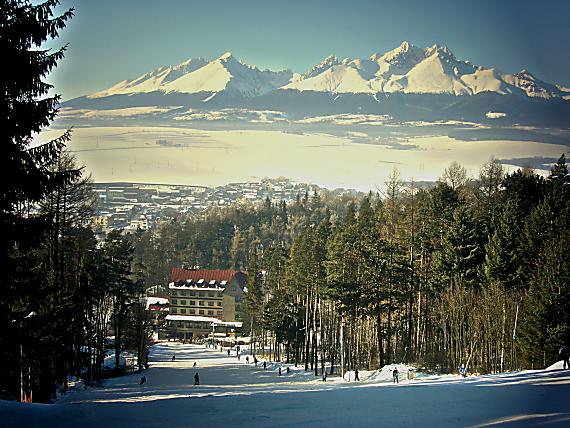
(61, 293)
(469, 271)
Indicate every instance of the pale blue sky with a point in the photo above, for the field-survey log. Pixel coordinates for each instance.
(111, 40)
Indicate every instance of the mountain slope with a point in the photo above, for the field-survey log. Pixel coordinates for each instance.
(405, 69)
(197, 75)
(407, 83)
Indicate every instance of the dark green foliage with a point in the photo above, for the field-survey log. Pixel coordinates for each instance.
(29, 175)
(461, 253)
(503, 251)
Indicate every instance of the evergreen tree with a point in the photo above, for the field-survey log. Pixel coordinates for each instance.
(461, 252)
(255, 294)
(503, 258)
(118, 251)
(25, 109)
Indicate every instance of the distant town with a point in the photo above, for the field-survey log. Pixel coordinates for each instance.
(132, 206)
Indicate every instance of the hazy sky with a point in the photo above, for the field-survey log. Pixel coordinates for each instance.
(112, 40)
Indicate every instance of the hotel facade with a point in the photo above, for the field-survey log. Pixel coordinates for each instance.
(205, 302)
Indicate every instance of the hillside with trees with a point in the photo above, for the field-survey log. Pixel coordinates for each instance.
(471, 271)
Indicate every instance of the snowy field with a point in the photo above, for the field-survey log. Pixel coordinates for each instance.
(178, 155)
(235, 393)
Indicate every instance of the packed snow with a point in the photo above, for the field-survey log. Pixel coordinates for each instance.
(232, 391)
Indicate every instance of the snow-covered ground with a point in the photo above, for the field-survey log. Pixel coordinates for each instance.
(217, 157)
(233, 392)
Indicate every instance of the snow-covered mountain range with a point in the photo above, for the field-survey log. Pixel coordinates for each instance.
(193, 76)
(405, 69)
(407, 82)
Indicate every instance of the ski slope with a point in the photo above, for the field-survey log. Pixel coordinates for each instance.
(235, 393)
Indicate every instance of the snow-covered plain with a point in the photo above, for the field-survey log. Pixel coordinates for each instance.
(210, 157)
(235, 393)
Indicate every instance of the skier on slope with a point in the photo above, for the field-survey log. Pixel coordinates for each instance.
(564, 355)
(143, 380)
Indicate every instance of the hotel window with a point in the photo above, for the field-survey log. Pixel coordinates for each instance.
(192, 302)
(201, 311)
(210, 312)
(219, 294)
(201, 303)
(182, 311)
(174, 293)
(220, 312)
(192, 311)
(183, 302)
(183, 293)
(210, 294)
(192, 293)
(174, 301)
(210, 303)
(219, 303)
(201, 293)
(173, 310)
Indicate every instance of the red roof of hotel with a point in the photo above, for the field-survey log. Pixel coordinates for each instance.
(179, 274)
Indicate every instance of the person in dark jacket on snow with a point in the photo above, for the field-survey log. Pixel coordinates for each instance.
(196, 379)
(395, 375)
(143, 380)
(564, 355)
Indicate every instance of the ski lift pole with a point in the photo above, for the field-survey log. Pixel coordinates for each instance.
(341, 349)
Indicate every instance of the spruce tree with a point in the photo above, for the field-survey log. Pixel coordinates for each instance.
(25, 109)
(503, 260)
(461, 252)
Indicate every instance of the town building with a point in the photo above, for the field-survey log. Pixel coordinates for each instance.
(205, 302)
(158, 309)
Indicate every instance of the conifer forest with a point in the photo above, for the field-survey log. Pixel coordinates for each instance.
(471, 269)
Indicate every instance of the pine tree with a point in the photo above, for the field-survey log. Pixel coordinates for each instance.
(118, 251)
(25, 109)
(461, 252)
(503, 260)
(255, 294)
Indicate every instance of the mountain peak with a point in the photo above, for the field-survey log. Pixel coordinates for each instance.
(438, 50)
(331, 59)
(525, 72)
(406, 68)
(325, 64)
(405, 50)
(405, 46)
(226, 56)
